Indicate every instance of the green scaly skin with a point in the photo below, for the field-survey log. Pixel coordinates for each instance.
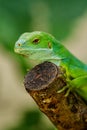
(41, 46)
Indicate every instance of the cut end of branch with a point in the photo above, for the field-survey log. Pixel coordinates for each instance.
(41, 76)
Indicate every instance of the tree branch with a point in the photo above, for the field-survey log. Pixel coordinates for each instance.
(66, 113)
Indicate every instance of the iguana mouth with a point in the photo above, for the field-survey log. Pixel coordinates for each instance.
(24, 55)
(19, 51)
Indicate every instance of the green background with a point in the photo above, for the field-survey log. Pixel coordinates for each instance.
(58, 17)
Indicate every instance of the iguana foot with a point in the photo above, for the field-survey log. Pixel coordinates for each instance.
(63, 89)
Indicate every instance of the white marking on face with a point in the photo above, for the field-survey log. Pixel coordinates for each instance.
(21, 41)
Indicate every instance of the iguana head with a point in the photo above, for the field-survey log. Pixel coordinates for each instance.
(36, 45)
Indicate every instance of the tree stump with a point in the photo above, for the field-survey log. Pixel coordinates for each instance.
(43, 83)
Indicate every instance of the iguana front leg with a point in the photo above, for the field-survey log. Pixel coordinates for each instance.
(78, 85)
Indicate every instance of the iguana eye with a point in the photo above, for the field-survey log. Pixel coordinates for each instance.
(35, 41)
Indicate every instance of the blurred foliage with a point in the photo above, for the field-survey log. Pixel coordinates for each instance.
(19, 16)
(31, 121)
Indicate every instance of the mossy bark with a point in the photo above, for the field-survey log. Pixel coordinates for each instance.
(43, 83)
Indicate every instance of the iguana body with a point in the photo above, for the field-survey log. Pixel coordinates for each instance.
(41, 46)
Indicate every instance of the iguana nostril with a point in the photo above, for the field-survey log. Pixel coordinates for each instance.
(19, 44)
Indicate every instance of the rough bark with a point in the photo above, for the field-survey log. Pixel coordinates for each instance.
(43, 83)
